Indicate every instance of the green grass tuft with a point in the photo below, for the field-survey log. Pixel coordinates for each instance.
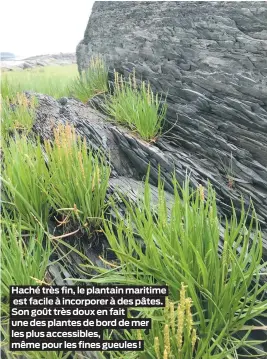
(24, 261)
(25, 254)
(92, 81)
(137, 107)
(24, 177)
(79, 179)
(17, 115)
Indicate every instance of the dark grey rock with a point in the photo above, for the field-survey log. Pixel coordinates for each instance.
(63, 101)
(27, 65)
(40, 63)
(6, 68)
(210, 57)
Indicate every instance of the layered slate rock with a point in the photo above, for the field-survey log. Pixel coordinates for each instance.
(211, 60)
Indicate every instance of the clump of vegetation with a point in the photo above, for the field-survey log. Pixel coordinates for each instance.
(24, 177)
(78, 178)
(173, 333)
(8, 91)
(136, 106)
(228, 172)
(17, 114)
(177, 336)
(74, 181)
(25, 255)
(181, 245)
(24, 261)
(92, 81)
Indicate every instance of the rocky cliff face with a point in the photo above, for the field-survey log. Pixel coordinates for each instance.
(211, 59)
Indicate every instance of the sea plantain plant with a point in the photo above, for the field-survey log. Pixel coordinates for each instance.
(92, 81)
(78, 177)
(172, 335)
(24, 254)
(170, 243)
(17, 114)
(24, 178)
(136, 106)
(25, 258)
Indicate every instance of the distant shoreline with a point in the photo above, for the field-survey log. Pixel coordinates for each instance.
(20, 62)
